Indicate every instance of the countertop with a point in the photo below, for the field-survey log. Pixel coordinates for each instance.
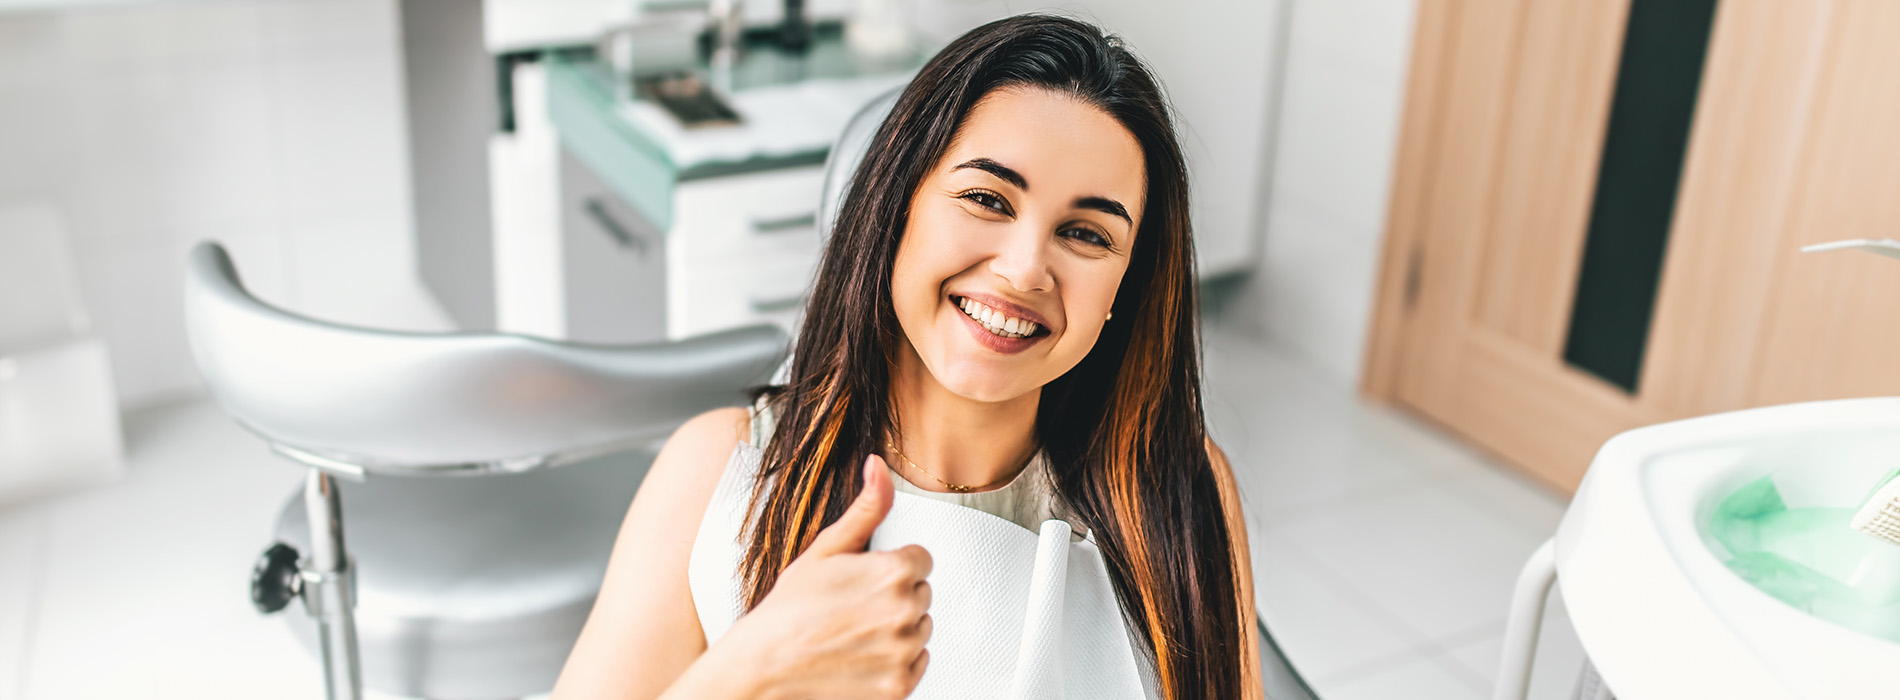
(792, 107)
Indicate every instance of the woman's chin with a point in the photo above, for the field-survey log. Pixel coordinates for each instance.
(987, 384)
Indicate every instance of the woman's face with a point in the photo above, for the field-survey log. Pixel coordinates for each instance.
(1016, 242)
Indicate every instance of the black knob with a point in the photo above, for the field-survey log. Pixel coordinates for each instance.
(794, 31)
(275, 581)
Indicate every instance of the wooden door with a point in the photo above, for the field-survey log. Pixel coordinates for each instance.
(1501, 168)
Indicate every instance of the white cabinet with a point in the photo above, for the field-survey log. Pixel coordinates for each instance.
(732, 210)
(613, 262)
(743, 250)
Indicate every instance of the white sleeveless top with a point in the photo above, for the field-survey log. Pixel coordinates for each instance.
(1016, 614)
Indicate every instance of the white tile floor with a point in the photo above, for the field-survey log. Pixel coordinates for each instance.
(1383, 552)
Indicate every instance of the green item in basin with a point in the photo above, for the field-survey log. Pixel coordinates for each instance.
(1810, 558)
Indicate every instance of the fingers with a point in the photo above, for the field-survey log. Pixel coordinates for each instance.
(915, 559)
(916, 672)
(921, 633)
(923, 595)
(853, 530)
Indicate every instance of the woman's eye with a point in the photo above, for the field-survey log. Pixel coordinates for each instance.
(987, 201)
(1089, 236)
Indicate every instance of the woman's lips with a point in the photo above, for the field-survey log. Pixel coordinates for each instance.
(1007, 346)
(1005, 306)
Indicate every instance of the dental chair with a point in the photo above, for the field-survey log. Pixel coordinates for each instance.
(471, 561)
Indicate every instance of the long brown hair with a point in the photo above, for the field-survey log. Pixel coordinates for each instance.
(1122, 430)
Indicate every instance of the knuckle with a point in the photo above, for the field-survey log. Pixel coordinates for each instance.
(894, 572)
(899, 620)
(917, 556)
(897, 561)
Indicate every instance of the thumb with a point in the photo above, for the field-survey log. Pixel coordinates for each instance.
(852, 532)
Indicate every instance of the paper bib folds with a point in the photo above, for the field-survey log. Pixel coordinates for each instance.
(1015, 615)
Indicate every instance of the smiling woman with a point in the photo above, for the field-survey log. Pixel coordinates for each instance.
(1006, 312)
(1022, 221)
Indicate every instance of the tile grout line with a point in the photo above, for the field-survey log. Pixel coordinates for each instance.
(1290, 514)
(1419, 645)
(1368, 667)
(1441, 648)
(1443, 658)
(1468, 495)
(35, 587)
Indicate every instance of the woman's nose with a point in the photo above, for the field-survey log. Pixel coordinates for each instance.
(1023, 260)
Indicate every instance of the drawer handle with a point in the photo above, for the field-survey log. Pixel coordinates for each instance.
(775, 224)
(598, 212)
(767, 305)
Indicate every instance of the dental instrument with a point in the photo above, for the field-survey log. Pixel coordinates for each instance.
(1880, 516)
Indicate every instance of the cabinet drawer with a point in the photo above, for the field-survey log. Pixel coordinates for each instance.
(613, 263)
(706, 298)
(757, 215)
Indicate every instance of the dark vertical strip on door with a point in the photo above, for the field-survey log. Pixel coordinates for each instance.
(1650, 114)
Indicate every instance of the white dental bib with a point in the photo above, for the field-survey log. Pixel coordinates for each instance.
(1014, 615)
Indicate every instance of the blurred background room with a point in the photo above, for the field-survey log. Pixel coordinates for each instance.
(1447, 250)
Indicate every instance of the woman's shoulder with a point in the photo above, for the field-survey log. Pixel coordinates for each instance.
(721, 426)
(689, 466)
(710, 435)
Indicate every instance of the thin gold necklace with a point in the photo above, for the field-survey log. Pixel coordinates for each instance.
(954, 488)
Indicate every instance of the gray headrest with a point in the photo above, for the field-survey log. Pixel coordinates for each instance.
(848, 152)
(425, 402)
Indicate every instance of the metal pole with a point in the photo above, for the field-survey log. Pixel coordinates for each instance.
(329, 588)
(1527, 617)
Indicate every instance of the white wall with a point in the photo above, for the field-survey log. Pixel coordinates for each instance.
(1338, 139)
(274, 126)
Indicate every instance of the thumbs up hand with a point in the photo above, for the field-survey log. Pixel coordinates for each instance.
(842, 622)
(852, 532)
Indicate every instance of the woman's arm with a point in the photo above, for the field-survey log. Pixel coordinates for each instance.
(840, 622)
(1243, 565)
(643, 633)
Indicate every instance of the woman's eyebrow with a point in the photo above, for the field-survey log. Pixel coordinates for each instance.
(997, 169)
(1106, 206)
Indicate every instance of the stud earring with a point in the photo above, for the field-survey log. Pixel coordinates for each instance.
(1111, 316)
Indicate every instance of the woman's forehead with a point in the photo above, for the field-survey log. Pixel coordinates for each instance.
(1058, 143)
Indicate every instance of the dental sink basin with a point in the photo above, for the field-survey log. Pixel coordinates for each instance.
(1783, 534)
(1712, 557)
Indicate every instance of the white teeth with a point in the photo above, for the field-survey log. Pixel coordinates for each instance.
(996, 321)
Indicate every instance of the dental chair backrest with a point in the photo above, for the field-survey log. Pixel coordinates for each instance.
(841, 164)
(363, 400)
(848, 152)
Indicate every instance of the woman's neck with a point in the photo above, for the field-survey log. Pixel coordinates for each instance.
(957, 439)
